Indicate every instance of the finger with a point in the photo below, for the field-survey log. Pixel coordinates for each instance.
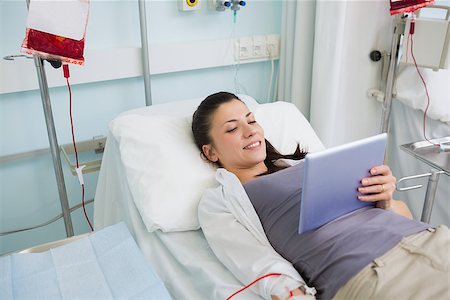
(373, 189)
(378, 180)
(381, 170)
(386, 196)
(378, 188)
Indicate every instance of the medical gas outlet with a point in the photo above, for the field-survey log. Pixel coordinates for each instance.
(236, 4)
(257, 47)
(188, 5)
(221, 5)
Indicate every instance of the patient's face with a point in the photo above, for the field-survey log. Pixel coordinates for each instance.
(237, 139)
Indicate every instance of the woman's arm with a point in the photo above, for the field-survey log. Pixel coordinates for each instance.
(238, 249)
(379, 188)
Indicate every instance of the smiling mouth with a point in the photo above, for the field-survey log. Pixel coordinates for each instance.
(252, 145)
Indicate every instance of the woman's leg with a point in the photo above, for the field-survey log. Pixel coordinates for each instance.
(417, 268)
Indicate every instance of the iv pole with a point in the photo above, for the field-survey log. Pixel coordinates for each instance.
(399, 27)
(145, 54)
(54, 147)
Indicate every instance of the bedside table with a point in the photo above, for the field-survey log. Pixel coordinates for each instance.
(436, 158)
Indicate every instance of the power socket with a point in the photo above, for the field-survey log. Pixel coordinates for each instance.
(243, 48)
(273, 45)
(257, 47)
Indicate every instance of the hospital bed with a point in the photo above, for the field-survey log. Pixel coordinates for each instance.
(152, 177)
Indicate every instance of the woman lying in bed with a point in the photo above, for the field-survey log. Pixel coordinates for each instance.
(251, 222)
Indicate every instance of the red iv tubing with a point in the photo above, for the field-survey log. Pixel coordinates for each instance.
(250, 284)
(410, 38)
(67, 75)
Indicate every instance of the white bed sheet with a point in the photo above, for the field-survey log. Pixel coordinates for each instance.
(183, 260)
(410, 90)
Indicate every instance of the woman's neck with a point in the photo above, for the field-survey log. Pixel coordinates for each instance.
(248, 174)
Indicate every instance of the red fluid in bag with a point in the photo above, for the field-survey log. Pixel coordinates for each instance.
(53, 45)
(404, 6)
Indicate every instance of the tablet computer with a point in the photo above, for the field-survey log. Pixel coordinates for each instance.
(332, 177)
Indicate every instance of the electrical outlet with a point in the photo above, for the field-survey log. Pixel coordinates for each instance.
(244, 48)
(259, 49)
(273, 45)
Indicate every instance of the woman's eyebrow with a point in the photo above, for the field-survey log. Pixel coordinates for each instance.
(235, 120)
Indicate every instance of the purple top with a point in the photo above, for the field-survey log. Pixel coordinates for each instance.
(329, 256)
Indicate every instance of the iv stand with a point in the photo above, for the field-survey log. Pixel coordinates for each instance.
(54, 147)
(399, 28)
(145, 54)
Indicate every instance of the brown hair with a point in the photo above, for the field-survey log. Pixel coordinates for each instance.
(201, 125)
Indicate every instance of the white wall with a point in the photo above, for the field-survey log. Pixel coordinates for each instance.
(341, 110)
(28, 192)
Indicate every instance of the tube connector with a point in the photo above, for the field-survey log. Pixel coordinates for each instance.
(79, 171)
(66, 70)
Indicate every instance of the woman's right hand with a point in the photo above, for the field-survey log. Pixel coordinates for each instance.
(380, 188)
(297, 294)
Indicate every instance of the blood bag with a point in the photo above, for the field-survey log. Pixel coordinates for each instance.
(404, 6)
(56, 30)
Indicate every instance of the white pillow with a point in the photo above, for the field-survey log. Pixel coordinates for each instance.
(165, 172)
(285, 127)
(410, 90)
(164, 169)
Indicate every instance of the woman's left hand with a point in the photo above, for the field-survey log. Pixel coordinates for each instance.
(379, 187)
